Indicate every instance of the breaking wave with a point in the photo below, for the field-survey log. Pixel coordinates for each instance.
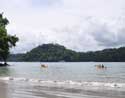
(67, 83)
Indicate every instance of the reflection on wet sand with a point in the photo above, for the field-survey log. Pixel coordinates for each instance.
(35, 90)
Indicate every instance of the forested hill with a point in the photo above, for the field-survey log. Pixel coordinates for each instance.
(50, 52)
(56, 53)
(46, 52)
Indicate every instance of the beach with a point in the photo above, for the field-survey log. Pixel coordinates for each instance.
(3, 90)
(62, 80)
(34, 90)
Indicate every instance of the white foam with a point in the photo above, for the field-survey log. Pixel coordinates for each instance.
(33, 80)
(68, 82)
(5, 78)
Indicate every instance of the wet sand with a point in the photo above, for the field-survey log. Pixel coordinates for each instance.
(3, 90)
(13, 89)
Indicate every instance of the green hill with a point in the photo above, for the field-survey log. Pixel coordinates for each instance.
(49, 52)
(56, 53)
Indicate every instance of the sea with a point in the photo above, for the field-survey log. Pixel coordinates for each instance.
(62, 80)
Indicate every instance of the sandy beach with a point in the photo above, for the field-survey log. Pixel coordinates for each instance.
(33, 90)
(3, 90)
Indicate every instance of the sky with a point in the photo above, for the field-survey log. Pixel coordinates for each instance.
(81, 25)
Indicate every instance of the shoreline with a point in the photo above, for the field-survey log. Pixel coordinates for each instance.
(63, 80)
(28, 90)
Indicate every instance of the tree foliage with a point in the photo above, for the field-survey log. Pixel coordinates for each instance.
(6, 41)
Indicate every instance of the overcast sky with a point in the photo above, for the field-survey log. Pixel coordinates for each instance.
(81, 25)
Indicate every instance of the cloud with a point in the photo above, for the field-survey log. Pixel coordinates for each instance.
(45, 3)
(109, 35)
(81, 25)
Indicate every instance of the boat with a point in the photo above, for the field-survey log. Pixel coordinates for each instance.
(100, 66)
(44, 66)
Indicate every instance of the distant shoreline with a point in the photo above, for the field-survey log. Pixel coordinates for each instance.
(58, 53)
(68, 61)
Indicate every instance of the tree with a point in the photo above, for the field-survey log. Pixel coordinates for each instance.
(6, 41)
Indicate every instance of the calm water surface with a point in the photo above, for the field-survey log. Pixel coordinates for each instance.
(115, 72)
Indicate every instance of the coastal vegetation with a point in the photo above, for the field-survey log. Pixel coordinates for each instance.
(58, 53)
(6, 41)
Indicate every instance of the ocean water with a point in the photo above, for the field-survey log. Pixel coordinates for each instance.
(63, 80)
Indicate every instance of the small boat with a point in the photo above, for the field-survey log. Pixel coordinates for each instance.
(100, 66)
(44, 66)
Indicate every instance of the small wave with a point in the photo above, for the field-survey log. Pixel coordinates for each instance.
(68, 82)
